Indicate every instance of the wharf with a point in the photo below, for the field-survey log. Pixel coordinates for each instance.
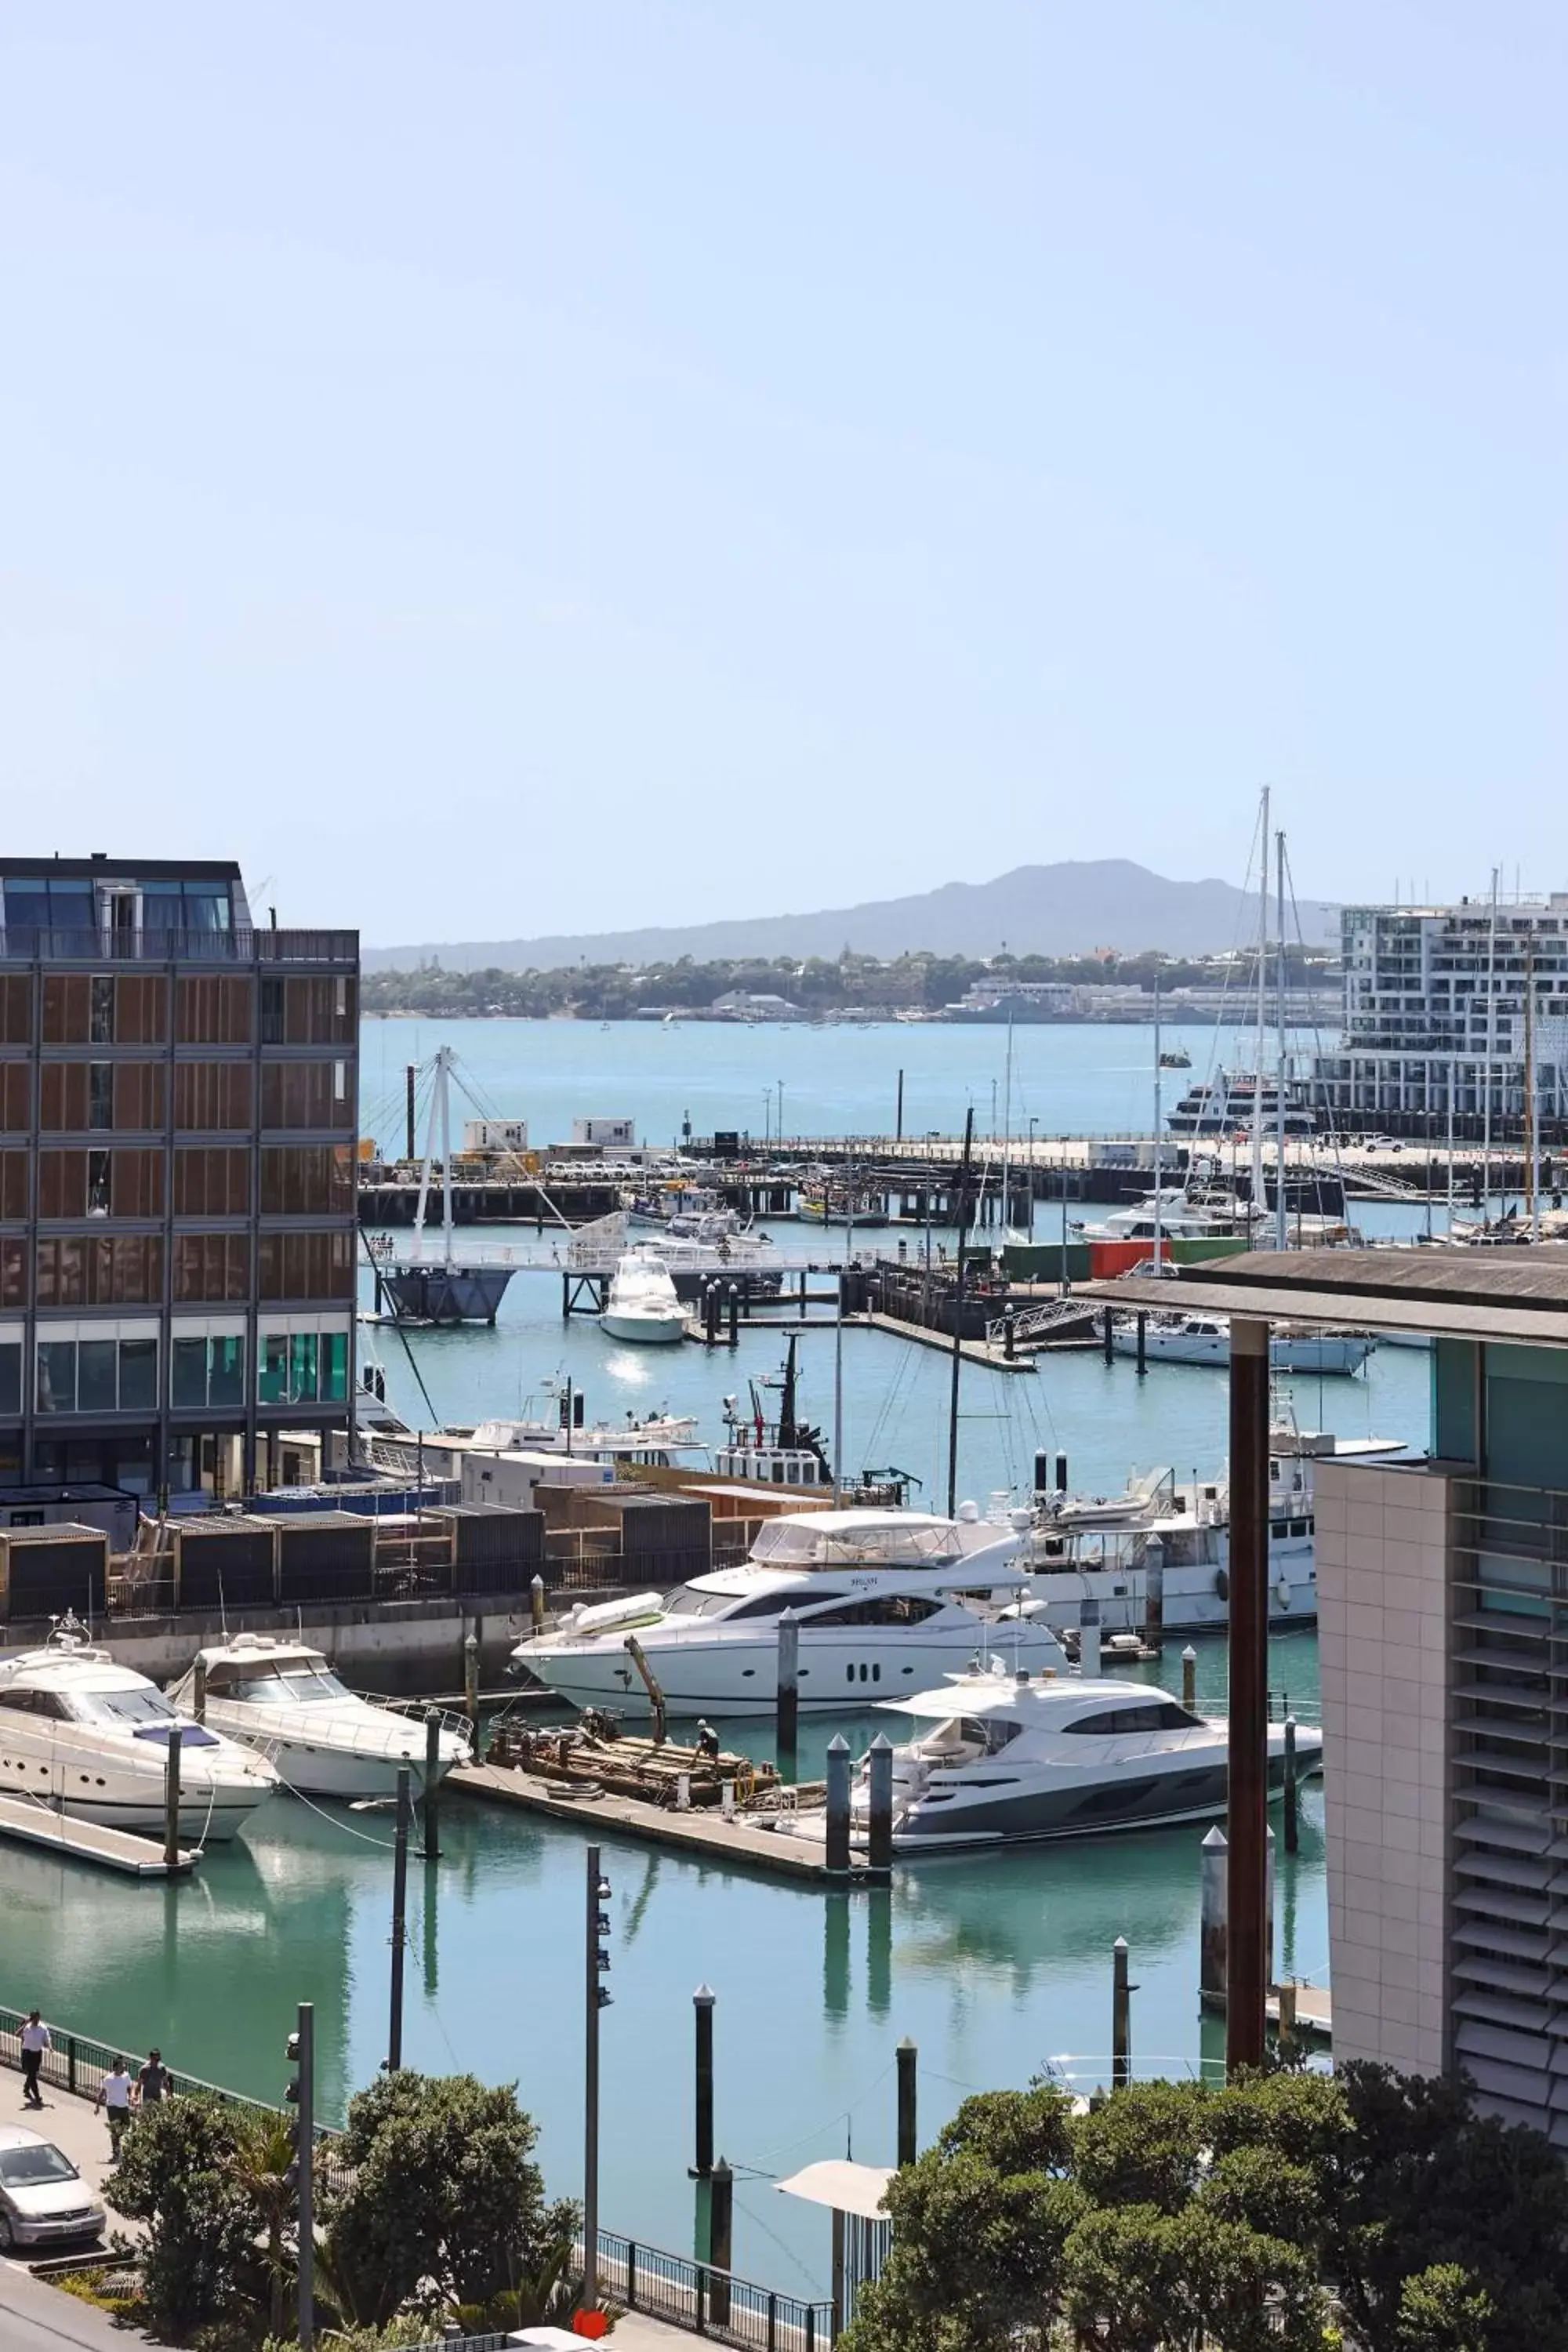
(705, 1835)
(989, 1355)
(121, 1850)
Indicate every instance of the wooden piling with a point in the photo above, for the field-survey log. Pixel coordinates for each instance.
(787, 1729)
(1154, 1594)
(907, 2056)
(838, 1806)
(536, 1604)
(1248, 1815)
(702, 2002)
(199, 1688)
(1120, 2017)
(1211, 1939)
(1143, 1343)
(172, 1798)
(1190, 1679)
(1089, 1638)
(1108, 1335)
(399, 1923)
(880, 1810)
(471, 1690)
(432, 1784)
(1292, 1797)
(721, 2244)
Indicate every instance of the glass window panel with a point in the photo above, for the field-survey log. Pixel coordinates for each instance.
(205, 907)
(27, 913)
(188, 1373)
(101, 1022)
(163, 907)
(100, 1094)
(301, 1367)
(95, 1376)
(226, 1380)
(71, 915)
(335, 1367)
(138, 1375)
(273, 1385)
(10, 1376)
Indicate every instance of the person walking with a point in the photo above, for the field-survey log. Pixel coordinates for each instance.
(114, 2098)
(154, 2081)
(35, 2042)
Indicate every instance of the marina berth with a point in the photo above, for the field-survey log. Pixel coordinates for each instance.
(642, 1307)
(883, 1599)
(82, 1736)
(282, 1699)
(996, 1757)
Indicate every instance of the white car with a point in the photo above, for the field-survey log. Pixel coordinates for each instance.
(44, 2201)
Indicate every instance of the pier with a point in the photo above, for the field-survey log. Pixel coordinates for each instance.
(25, 1823)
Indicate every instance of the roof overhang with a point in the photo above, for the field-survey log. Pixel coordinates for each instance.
(843, 2187)
(1517, 1296)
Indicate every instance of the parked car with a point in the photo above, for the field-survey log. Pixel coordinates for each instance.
(44, 2201)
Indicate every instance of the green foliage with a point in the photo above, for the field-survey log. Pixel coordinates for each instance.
(444, 2205)
(178, 2173)
(396, 2334)
(1138, 2278)
(1144, 2146)
(1443, 2310)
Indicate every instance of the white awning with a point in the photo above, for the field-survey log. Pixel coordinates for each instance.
(842, 2187)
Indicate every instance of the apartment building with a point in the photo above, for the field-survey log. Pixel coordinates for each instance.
(178, 1118)
(1434, 1019)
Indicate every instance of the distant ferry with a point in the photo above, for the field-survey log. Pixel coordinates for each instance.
(1224, 1105)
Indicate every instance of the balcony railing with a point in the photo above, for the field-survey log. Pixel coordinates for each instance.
(27, 944)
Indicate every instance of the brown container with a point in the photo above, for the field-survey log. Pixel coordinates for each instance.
(43, 1571)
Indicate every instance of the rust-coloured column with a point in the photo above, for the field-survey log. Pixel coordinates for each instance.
(1246, 1873)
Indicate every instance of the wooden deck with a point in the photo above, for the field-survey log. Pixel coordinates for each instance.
(989, 1357)
(703, 1834)
(138, 1857)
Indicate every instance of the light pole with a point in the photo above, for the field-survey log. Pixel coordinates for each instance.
(1032, 1124)
(781, 1111)
(767, 1115)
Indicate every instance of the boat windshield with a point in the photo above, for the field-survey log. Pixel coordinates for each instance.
(299, 1685)
(965, 1737)
(889, 1543)
(122, 1706)
(30, 2167)
(692, 1600)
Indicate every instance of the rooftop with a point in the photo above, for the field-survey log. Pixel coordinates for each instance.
(1500, 1294)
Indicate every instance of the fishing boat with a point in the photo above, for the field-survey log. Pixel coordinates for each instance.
(83, 1735)
(1176, 1059)
(282, 1699)
(999, 1756)
(642, 1307)
(884, 1600)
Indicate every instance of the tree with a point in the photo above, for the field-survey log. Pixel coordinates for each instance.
(1443, 2310)
(179, 2173)
(1144, 2146)
(441, 2199)
(1138, 2278)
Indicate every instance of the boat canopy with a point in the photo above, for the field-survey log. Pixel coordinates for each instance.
(847, 1539)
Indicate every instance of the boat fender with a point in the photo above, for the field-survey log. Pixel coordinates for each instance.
(1282, 1592)
(1222, 1583)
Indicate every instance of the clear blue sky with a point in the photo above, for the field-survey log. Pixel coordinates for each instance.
(538, 465)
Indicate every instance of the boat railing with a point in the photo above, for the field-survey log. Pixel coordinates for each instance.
(320, 1723)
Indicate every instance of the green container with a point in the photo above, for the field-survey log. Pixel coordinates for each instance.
(1042, 1261)
(1195, 1252)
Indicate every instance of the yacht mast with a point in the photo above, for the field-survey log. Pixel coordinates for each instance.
(1255, 1205)
(1491, 1061)
(1281, 1223)
(1158, 1168)
(838, 1323)
(1006, 1123)
(1531, 1194)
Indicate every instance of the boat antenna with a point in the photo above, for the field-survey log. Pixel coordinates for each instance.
(1281, 1221)
(1255, 1203)
(958, 1313)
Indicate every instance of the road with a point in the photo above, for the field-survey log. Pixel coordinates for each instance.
(37, 2318)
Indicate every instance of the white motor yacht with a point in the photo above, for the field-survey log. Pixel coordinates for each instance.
(998, 1756)
(885, 1601)
(642, 1305)
(282, 1698)
(1205, 1340)
(90, 1739)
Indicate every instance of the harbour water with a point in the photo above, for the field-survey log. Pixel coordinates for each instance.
(995, 1965)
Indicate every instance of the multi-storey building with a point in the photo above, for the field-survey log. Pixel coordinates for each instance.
(177, 1165)
(1435, 1018)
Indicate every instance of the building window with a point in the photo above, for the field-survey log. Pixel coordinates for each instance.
(212, 1010)
(206, 1372)
(10, 1376)
(211, 1267)
(97, 1375)
(100, 1094)
(17, 1009)
(306, 1265)
(212, 1095)
(16, 1098)
(12, 1185)
(100, 1025)
(305, 1094)
(214, 1183)
(303, 1368)
(307, 1179)
(100, 1270)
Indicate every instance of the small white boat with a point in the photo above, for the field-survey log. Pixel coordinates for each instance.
(999, 1757)
(85, 1736)
(884, 1599)
(282, 1699)
(1205, 1340)
(642, 1306)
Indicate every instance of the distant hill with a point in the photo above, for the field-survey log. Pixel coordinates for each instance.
(1066, 909)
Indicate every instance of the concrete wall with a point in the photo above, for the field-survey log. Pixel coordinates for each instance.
(1383, 1543)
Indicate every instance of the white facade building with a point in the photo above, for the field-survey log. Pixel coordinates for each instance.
(1435, 1017)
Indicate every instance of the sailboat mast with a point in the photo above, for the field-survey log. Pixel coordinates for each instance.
(1532, 1198)
(958, 1314)
(1255, 1203)
(417, 1250)
(838, 1325)
(1491, 1063)
(1281, 1228)
(1007, 1124)
(1159, 1171)
(443, 1062)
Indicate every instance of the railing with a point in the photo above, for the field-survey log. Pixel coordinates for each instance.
(30, 943)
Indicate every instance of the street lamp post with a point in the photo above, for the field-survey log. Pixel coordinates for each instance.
(1032, 1124)
(781, 1111)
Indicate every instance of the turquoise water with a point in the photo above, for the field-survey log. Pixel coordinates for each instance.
(995, 1964)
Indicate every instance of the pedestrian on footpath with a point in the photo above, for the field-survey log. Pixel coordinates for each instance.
(154, 2081)
(35, 2042)
(114, 2098)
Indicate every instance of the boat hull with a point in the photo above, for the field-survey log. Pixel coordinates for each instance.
(1126, 1800)
(445, 1294)
(839, 1670)
(1310, 1353)
(88, 1787)
(643, 1331)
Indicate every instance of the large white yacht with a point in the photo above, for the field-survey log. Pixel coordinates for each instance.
(1102, 1547)
(885, 1601)
(283, 1699)
(642, 1306)
(85, 1736)
(997, 1756)
(1177, 1339)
